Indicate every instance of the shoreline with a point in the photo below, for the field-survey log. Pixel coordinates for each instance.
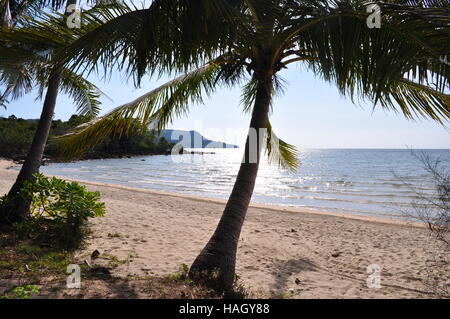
(273, 207)
(293, 253)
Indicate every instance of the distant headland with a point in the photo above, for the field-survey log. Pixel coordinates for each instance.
(192, 139)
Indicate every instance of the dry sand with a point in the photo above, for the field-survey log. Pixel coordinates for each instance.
(327, 253)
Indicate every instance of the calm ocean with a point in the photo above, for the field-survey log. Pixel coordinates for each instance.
(364, 182)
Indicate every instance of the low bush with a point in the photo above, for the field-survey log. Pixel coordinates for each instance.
(59, 211)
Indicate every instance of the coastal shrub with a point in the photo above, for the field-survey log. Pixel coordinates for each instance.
(59, 211)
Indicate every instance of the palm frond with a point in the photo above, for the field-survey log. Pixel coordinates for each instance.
(17, 82)
(248, 95)
(84, 93)
(18, 7)
(375, 64)
(154, 110)
(279, 152)
(3, 101)
(398, 66)
(249, 91)
(15, 75)
(415, 100)
(168, 36)
(26, 62)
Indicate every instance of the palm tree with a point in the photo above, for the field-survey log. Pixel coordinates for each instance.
(24, 65)
(247, 42)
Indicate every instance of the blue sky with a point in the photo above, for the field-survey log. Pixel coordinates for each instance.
(311, 114)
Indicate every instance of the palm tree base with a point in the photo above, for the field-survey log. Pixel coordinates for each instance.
(215, 268)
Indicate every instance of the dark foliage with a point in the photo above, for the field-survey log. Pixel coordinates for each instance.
(16, 135)
(59, 211)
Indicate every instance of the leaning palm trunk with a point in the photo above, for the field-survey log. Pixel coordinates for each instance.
(18, 208)
(217, 261)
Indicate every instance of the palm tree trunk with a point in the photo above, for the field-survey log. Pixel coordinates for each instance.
(18, 208)
(217, 261)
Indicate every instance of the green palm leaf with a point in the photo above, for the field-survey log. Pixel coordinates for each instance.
(377, 64)
(415, 100)
(154, 109)
(84, 93)
(279, 152)
(168, 36)
(26, 63)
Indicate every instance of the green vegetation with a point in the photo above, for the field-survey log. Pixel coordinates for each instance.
(26, 259)
(238, 290)
(59, 211)
(181, 275)
(114, 261)
(16, 135)
(22, 292)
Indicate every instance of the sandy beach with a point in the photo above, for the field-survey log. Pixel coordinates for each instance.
(283, 252)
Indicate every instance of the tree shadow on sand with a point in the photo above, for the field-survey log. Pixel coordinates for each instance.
(284, 269)
(120, 288)
(101, 284)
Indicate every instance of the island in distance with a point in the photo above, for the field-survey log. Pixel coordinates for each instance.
(192, 139)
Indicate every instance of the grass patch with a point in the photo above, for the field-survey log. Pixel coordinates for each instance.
(27, 260)
(114, 261)
(239, 290)
(181, 276)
